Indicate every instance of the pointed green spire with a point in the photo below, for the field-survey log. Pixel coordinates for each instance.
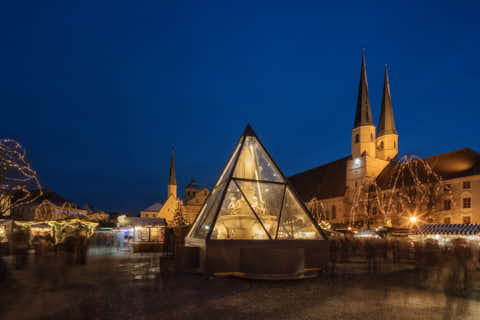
(386, 125)
(363, 115)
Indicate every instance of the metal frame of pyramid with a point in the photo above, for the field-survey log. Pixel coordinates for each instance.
(270, 177)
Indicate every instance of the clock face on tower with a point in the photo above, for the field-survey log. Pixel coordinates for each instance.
(357, 162)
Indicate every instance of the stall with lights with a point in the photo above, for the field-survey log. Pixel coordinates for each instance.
(444, 234)
(253, 219)
(6, 227)
(143, 234)
(58, 230)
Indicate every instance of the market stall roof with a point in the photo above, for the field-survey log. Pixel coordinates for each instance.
(448, 229)
(367, 234)
(5, 222)
(141, 222)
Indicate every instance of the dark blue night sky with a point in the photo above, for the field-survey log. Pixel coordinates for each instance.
(98, 91)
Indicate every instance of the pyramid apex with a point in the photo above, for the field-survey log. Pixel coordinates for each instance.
(249, 131)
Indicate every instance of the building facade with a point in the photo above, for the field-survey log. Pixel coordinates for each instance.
(331, 191)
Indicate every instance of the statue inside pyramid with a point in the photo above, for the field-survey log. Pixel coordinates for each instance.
(253, 200)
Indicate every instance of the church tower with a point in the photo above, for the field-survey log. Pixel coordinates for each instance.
(172, 180)
(387, 141)
(364, 164)
(363, 132)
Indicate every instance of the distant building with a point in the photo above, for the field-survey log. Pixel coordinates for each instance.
(48, 206)
(194, 198)
(330, 188)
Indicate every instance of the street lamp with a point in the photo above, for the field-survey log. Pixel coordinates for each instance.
(413, 219)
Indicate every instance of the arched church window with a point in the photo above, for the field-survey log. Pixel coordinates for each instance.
(357, 138)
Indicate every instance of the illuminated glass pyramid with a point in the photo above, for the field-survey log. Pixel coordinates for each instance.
(252, 199)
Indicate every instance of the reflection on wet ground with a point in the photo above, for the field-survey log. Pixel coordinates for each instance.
(119, 285)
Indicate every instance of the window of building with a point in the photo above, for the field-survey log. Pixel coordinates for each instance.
(446, 220)
(371, 137)
(327, 216)
(447, 204)
(447, 187)
(357, 138)
(394, 144)
(334, 212)
(467, 203)
(466, 220)
(381, 145)
(467, 185)
(374, 211)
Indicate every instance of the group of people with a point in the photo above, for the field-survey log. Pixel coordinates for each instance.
(448, 265)
(374, 251)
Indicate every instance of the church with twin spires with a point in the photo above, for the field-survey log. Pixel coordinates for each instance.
(328, 190)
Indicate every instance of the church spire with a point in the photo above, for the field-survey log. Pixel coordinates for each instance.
(363, 115)
(386, 124)
(172, 180)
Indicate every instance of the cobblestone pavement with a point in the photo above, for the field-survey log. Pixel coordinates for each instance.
(114, 285)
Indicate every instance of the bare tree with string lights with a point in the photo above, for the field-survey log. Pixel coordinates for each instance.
(19, 184)
(408, 191)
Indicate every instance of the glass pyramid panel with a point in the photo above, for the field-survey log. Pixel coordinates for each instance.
(206, 216)
(266, 201)
(230, 165)
(295, 223)
(255, 164)
(236, 220)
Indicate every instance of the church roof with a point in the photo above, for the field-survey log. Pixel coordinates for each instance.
(386, 125)
(454, 164)
(363, 115)
(154, 207)
(323, 182)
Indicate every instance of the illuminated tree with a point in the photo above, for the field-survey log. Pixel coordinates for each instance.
(19, 183)
(178, 218)
(407, 188)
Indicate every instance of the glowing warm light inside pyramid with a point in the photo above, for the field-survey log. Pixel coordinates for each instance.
(252, 200)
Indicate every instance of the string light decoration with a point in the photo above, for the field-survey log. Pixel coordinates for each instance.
(19, 184)
(178, 217)
(407, 188)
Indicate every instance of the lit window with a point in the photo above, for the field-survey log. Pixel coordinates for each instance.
(467, 185)
(446, 220)
(447, 204)
(467, 203)
(466, 220)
